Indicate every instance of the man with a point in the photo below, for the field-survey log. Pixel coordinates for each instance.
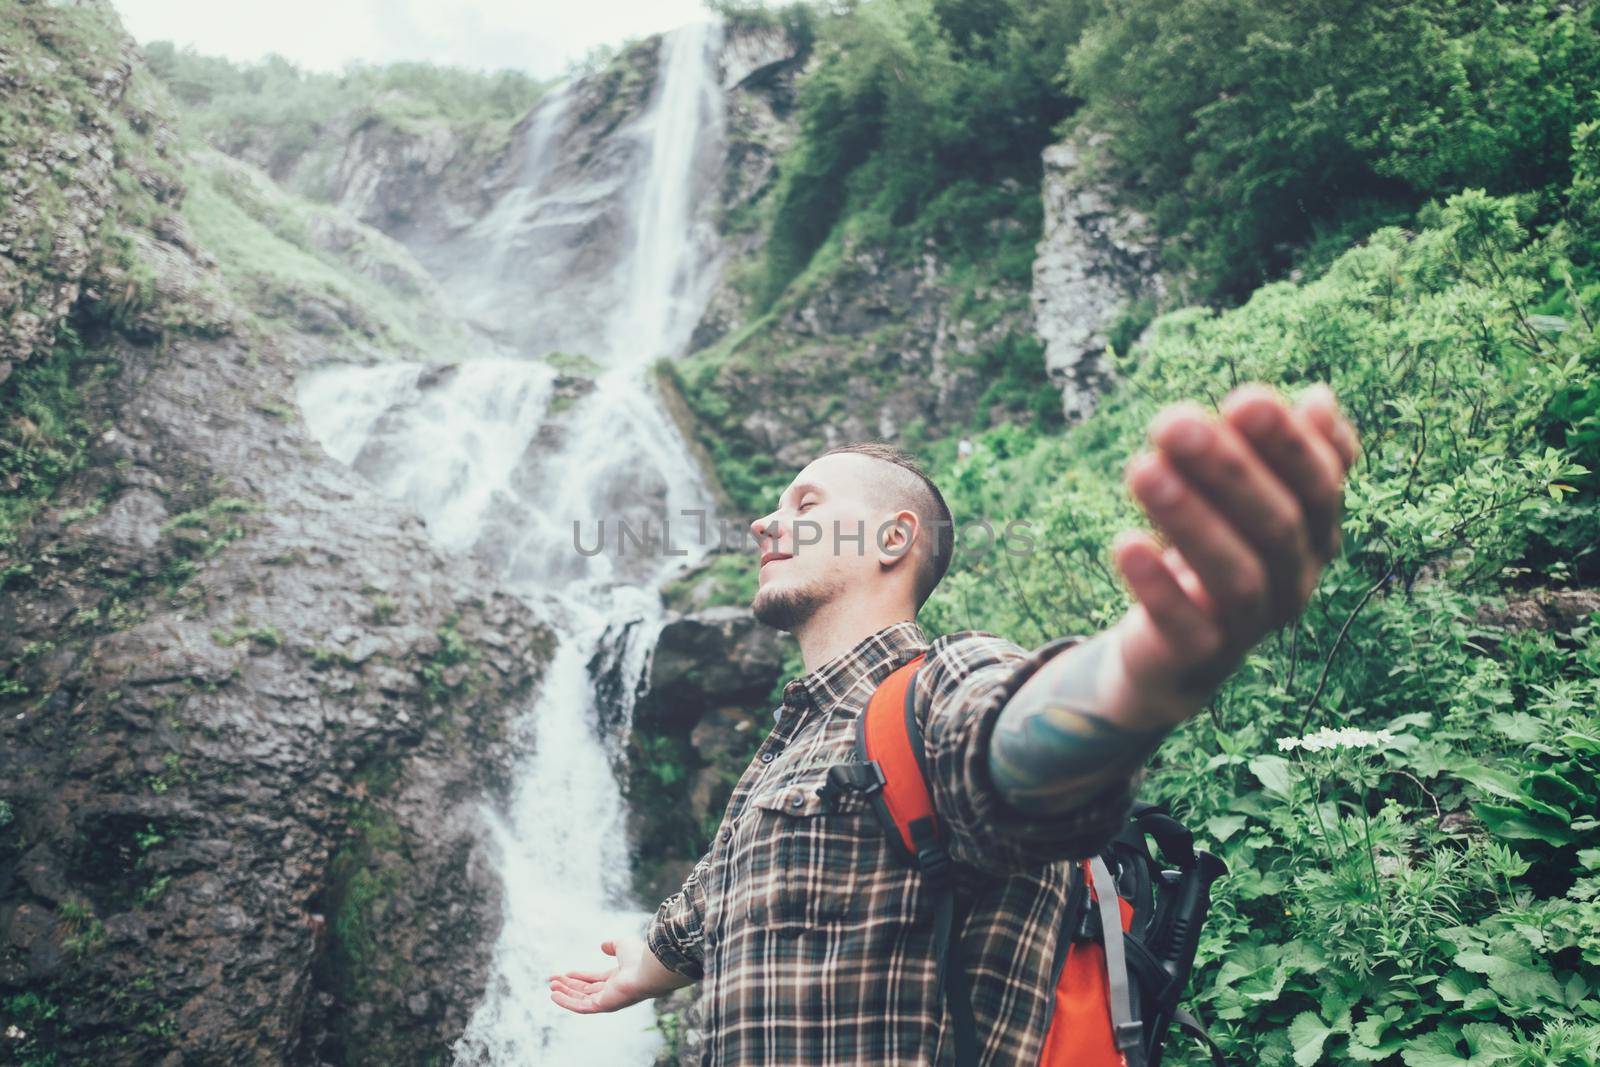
(814, 941)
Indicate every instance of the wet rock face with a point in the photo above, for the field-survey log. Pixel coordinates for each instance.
(716, 656)
(1545, 610)
(1096, 258)
(758, 76)
(752, 56)
(876, 352)
(251, 717)
(248, 714)
(700, 713)
(880, 349)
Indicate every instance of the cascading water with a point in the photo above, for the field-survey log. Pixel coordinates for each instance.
(497, 467)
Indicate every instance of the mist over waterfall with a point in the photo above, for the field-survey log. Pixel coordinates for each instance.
(501, 464)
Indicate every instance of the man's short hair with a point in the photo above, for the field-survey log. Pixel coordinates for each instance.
(913, 490)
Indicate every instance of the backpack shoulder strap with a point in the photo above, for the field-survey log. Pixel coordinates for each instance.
(889, 737)
(1190, 1025)
(1127, 1032)
(889, 746)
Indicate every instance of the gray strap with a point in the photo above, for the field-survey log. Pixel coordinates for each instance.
(1125, 1029)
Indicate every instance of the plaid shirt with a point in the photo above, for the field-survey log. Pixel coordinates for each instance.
(814, 941)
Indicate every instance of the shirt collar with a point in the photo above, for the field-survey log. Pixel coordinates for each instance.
(862, 668)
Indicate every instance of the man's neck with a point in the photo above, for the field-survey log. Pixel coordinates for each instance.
(840, 627)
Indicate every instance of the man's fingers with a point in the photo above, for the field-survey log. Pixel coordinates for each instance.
(1188, 579)
(1185, 629)
(582, 1005)
(1321, 409)
(577, 985)
(586, 976)
(1299, 455)
(1216, 459)
(1230, 570)
(571, 989)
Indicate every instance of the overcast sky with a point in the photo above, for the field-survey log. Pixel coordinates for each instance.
(539, 36)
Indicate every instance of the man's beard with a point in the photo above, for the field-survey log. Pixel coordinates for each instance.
(786, 609)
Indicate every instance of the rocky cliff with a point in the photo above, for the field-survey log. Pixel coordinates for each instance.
(1097, 274)
(247, 713)
(870, 342)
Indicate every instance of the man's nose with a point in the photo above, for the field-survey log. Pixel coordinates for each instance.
(766, 529)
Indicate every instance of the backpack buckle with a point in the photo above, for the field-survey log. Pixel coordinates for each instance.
(860, 779)
(1088, 926)
(934, 863)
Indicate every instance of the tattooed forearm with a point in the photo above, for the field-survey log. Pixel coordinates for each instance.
(1050, 750)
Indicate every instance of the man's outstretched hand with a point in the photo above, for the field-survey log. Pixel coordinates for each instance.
(637, 976)
(1248, 503)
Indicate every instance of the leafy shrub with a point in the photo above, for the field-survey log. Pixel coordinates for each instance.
(1427, 900)
(923, 119)
(42, 432)
(1251, 123)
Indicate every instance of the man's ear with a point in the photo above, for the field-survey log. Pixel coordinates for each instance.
(896, 537)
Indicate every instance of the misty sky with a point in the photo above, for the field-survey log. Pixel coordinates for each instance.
(539, 36)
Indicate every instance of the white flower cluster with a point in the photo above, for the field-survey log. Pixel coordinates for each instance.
(1344, 737)
(15, 1033)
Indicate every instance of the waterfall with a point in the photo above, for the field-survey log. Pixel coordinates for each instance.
(664, 293)
(500, 465)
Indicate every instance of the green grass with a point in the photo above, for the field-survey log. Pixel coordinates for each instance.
(260, 238)
(297, 122)
(43, 432)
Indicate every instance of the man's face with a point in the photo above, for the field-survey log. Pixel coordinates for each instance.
(820, 544)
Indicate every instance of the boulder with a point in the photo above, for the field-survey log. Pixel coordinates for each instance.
(1547, 610)
(713, 658)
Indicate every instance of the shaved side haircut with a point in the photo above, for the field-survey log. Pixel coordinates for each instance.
(906, 485)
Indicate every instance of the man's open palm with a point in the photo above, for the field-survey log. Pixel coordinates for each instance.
(1248, 504)
(589, 992)
(637, 976)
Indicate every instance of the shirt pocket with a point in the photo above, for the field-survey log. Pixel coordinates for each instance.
(811, 864)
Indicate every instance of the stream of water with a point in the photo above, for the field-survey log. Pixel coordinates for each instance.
(497, 467)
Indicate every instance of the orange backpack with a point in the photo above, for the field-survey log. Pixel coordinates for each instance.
(1130, 927)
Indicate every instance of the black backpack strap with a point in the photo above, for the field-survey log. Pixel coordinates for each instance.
(1152, 978)
(1190, 1025)
(1173, 839)
(1071, 919)
(902, 802)
(954, 982)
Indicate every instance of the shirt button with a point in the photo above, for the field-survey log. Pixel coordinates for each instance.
(726, 835)
(768, 757)
(798, 801)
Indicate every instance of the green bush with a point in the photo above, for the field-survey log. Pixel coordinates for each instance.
(1251, 128)
(923, 119)
(1253, 123)
(1423, 897)
(43, 435)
